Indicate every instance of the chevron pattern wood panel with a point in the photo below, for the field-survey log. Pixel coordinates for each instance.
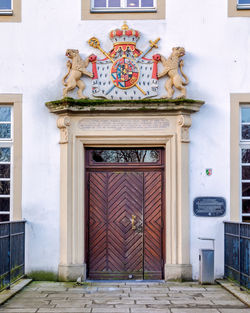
(152, 225)
(115, 250)
(97, 221)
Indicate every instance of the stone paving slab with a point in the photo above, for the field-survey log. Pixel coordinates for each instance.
(9, 293)
(243, 295)
(124, 297)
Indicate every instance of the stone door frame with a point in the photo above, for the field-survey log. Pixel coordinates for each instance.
(174, 137)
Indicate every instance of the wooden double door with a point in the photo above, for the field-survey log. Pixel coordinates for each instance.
(125, 222)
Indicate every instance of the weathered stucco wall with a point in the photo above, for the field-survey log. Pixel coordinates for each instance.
(32, 60)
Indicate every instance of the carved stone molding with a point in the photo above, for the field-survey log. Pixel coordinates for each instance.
(147, 106)
(185, 121)
(63, 124)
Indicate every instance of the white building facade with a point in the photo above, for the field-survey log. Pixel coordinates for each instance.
(43, 155)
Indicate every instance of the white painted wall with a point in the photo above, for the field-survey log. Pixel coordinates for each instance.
(32, 62)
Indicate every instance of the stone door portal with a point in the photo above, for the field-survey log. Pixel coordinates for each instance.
(125, 219)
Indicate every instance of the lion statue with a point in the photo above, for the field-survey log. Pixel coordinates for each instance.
(171, 66)
(76, 69)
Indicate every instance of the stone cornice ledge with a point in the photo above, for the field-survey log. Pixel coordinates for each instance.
(89, 106)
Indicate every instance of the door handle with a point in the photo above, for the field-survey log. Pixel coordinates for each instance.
(133, 221)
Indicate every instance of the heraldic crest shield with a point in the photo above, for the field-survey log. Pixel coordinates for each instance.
(125, 72)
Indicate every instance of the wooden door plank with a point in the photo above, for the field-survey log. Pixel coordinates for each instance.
(152, 225)
(97, 222)
(115, 250)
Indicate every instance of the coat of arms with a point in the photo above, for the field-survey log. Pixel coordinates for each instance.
(125, 73)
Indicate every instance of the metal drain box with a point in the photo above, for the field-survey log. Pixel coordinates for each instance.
(206, 260)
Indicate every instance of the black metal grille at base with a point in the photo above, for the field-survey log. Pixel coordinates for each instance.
(12, 252)
(237, 252)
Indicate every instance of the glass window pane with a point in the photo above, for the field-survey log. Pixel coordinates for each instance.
(4, 170)
(100, 3)
(246, 189)
(4, 217)
(5, 4)
(147, 3)
(4, 204)
(5, 114)
(245, 115)
(126, 156)
(133, 3)
(245, 155)
(245, 133)
(246, 172)
(244, 1)
(5, 131)
(245, 206)
(114, 3)
(246, 219)
(4, 187)
(4, 154)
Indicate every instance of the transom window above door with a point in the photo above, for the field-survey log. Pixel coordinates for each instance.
(123, 5)
(126, 156)
(130, 156)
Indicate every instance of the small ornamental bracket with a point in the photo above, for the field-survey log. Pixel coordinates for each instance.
(63, 124)
(184, 122)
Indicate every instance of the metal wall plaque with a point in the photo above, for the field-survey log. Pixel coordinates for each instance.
(209, 206)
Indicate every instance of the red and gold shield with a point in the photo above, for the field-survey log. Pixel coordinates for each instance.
(124, 73)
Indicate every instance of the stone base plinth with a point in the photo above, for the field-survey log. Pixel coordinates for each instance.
(178, 272)
(71, 272)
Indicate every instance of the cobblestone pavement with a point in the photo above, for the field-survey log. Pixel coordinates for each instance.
(125, 297)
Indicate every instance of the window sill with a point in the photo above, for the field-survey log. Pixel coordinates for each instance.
(6, 12)
(122, 10)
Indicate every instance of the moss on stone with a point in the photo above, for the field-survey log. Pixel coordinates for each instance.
(104, 102)
(43, 276)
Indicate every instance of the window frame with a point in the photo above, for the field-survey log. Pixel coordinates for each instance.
(243, 144)
(238, 10)
(8, 143)
(15, 143)
(13, 15)
(237, 101)
(123, 8)
(87, 14)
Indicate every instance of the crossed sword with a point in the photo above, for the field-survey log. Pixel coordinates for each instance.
(95, 43)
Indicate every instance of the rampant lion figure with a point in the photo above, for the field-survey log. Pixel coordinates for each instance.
(171, 66)
(75, 71)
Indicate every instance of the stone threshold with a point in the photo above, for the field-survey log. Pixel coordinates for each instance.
(242, 295)
(14, 289)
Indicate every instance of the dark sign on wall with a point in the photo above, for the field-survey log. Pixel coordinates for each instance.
(209, 206)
